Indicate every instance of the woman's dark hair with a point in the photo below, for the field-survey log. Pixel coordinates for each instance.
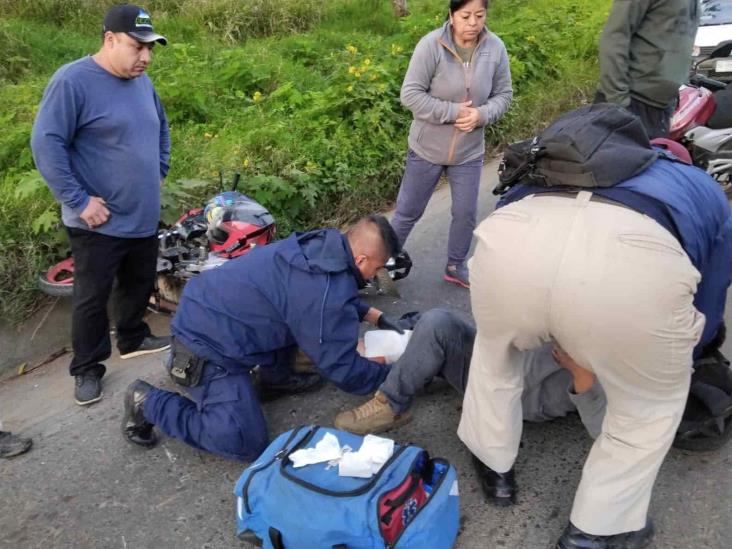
(457, 4)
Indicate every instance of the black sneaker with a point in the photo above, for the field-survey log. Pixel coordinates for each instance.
(13, 445)
(149, 345)
(88, 388)
(574, 538)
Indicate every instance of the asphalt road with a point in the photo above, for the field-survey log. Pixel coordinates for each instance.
(83, 486)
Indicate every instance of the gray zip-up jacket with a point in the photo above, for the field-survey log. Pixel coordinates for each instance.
(645, 50)
(437, 81)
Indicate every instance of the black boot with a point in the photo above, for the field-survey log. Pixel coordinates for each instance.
(135, 427)
(499, 488)
(293, 384)
(574, 538)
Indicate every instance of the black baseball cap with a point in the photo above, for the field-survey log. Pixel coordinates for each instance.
(133, 21)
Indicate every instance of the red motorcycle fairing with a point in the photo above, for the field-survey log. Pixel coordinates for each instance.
(695, 107)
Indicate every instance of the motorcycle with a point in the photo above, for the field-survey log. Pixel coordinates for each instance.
(229, 225)
(701, 122)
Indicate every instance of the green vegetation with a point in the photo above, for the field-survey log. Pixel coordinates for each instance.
(301, 96)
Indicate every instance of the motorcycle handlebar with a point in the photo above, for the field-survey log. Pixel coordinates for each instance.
(706, 82)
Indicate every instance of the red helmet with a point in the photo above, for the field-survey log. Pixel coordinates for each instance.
(675, 148)
(236, 224)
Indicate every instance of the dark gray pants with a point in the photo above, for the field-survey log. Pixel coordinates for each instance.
(418, 184)
(442, 345)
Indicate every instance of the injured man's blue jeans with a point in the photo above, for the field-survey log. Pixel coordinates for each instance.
(442, 346)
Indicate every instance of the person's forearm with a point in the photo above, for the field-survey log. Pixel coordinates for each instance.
(501, 95)
(414, 93)
(53, 164)
(591, 405)
(164, 140)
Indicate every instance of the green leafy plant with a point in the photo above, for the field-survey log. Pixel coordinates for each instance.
(300, 96)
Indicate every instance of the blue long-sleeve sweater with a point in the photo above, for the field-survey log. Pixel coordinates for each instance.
(99, 135)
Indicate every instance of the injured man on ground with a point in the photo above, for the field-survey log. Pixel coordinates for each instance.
(441, 345)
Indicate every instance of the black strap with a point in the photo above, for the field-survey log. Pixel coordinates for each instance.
(275, 538)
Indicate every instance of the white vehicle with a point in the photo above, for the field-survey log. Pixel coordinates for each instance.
(715, 26)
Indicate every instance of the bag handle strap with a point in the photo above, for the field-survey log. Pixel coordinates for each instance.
(275, 538)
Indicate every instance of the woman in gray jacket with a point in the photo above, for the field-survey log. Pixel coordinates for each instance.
(458, 81)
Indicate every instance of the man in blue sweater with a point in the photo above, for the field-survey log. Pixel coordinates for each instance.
(254, 312)
(101, 142)
(631, 281)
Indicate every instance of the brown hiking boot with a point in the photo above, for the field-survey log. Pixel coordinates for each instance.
(374, 416)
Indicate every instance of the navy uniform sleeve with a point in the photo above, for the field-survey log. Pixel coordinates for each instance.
(329, 335)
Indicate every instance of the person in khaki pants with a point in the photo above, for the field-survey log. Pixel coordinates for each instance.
(613, 285)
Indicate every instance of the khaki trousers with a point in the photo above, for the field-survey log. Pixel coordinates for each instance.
(615, 290)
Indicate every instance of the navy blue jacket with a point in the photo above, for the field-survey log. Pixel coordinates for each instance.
(691, 206)
(302, 290)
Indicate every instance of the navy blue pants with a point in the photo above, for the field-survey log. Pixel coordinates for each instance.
(418, 184)
(222, 415)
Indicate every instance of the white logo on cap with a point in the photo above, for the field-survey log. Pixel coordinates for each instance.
(143, 20)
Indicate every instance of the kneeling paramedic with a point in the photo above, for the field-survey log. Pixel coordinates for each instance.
(255, 311)
(630, 279)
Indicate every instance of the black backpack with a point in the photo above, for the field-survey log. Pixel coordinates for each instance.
(597, 145)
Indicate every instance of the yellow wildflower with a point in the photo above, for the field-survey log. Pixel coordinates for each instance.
(246, 163)
(352, 69)
(367, 61)
(351, 49)
(207, 135)
(349, 88)
(257, 97)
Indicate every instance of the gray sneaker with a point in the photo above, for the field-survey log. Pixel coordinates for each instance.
(13, 445)
(149, 345)
(88, 388)
(457, 274)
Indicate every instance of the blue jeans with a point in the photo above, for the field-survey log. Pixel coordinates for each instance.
(418, 184)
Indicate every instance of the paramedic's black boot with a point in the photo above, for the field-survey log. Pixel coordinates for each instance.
(293, 384)
(574, 538)
(135, 427)
(499, 488)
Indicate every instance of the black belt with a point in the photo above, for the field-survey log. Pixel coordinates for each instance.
(593, 198)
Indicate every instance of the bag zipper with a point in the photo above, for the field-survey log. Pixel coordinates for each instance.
(356, 492)
(278, 456)
(432, 496)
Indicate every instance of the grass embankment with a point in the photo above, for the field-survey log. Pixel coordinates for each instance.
(301, 96)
